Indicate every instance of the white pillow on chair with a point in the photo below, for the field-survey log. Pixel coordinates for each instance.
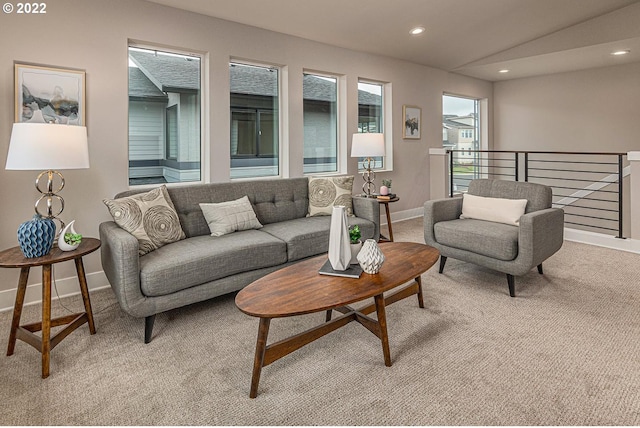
(498, 210)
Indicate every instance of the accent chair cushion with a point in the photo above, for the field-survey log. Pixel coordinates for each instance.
(491, 239)
(231, 216)
(150, 217)
(499, 210)
(327, 192)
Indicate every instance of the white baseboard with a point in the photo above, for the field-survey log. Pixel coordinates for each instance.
(65, 286)
(600, 240)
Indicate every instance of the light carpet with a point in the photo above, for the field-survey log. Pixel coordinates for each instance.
(565, 351)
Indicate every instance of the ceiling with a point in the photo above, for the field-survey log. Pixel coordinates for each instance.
(472, 37)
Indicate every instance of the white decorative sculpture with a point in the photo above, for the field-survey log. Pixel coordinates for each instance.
(370, 257)
(339, 243)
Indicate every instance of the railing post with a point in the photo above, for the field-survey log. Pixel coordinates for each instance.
(620, 178)
(526, 166)
(515, 155)
(438, 176)
(450, 173)
(634, 191)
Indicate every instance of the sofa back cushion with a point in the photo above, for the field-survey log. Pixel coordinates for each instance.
(273, 200)
(538, 196)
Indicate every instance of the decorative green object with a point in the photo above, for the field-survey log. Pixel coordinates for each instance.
(354, 234)
(386, 182)
(72, 238)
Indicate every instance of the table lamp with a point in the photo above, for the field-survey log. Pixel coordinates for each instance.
(367, 145)
(48, 147)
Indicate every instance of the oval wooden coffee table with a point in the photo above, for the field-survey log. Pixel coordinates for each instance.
(299, 289)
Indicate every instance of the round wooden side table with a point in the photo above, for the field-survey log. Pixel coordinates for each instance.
(386, 203)
(13, 258)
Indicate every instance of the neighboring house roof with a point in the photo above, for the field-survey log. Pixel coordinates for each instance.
(169, 73)
(450, 124)
(141, 88)
(179, 74)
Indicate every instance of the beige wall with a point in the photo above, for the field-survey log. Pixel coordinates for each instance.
(592, 110)
(93, 35)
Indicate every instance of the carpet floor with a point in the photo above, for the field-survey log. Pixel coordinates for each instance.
(565, 351)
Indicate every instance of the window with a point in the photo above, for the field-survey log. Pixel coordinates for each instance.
(370, 113)
(164, 116)
(320, 96)
(255, 112)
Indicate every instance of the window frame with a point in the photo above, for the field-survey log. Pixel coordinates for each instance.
(386, 120)
(203, 108)
(281, 147)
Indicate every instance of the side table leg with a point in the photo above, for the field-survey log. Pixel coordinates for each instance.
(85, 294)
(386, 208)
(46, 319)
(382, 321)
(17, 309)
(261, 345)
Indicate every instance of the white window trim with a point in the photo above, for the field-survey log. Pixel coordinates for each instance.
(341, 125)
(204, 109)
(387, 120)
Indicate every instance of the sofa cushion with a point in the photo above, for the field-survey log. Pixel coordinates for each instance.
(326, 192)
(201, 259)
(231, 216)
(309, 236)
(496, 240)
(500, 210)
(150, 217)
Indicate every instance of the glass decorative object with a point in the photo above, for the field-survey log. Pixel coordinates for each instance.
(36, 236)
(370, 257)
(339, 242)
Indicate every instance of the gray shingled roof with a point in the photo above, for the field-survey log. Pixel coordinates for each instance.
(169, 73)
(178, 74)
(140, 87)
(453, 124)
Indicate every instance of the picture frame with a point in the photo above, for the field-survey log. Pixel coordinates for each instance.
(411, 122)
(49, 95)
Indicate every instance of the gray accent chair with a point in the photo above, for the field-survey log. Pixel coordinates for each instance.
(201, 267)
(514, 250)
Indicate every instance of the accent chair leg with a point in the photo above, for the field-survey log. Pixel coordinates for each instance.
(443, 260)
(512, 285)
(540, 269)
(148, 327)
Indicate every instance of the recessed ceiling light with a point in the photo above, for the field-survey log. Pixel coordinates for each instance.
(621, 52)
(417, 30)
(504, 70)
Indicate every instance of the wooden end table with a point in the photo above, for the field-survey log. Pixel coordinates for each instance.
(299, 289)
(386, 203)
(13, 258)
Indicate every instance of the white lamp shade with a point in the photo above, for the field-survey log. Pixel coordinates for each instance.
(44, 146)
(367, 145)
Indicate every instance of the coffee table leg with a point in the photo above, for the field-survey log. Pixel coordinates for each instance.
(261, 345)
(17, 309)
(420, 299)
(382, 321)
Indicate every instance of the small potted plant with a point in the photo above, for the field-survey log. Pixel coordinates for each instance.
(385, 189)
(356, 243)
(69, 239)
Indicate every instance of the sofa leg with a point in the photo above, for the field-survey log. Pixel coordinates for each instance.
(540, 269)
(443, 260)
(148, 327)
(512, 285)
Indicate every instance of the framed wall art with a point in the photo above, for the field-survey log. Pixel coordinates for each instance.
(412, 126)
(49, 95)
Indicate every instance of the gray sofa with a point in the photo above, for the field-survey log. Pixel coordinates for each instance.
(201, 267)
(514, 250)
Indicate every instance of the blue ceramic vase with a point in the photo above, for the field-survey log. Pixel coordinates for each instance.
(36, 236)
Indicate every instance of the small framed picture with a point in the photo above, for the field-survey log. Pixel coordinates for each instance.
(412, 126)
(49, 95)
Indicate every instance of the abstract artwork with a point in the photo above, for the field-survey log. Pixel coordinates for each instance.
(49, 95)
(412, 126)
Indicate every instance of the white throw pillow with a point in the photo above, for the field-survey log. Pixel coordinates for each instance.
(499, 210)
(228, 217)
